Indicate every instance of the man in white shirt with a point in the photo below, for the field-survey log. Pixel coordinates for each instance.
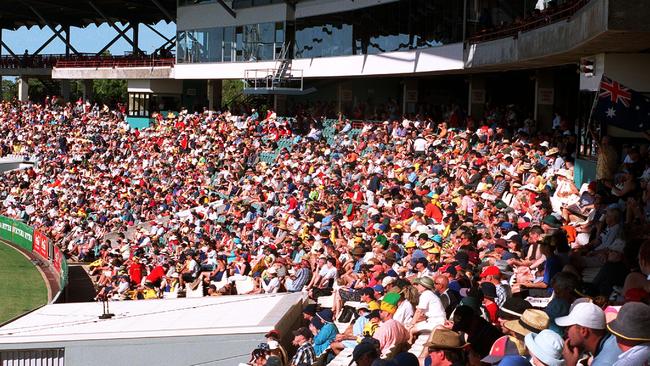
(429, 313)
(420, 146)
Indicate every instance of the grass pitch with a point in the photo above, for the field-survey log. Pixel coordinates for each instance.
(22, 287)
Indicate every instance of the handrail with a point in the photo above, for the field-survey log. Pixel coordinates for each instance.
(546, 17)
(82, 60)
(112, 63)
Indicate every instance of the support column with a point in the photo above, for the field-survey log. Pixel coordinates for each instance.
(65, 90)
(23, 89)
(136, 36)
(410, 96)
(280, 104)
(87, 90)
(214, 94)
(544, 99)
(476, 97)
(67, 42)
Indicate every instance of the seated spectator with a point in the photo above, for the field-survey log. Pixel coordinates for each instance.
(445, 347)
(391, 333)
(632, 330)
(545, 348)
(586, 333)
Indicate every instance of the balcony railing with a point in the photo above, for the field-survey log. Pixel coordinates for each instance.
(548, 16)
(115, 62)
(82, 60)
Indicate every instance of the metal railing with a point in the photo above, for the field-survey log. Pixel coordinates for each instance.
(546, 17)
(82, 60)
(113, 62)
(267, 79)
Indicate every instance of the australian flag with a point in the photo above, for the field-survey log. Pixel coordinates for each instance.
(622, 107)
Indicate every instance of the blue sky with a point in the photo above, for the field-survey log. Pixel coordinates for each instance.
(85, 40)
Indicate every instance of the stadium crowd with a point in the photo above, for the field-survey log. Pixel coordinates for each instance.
(453, 229)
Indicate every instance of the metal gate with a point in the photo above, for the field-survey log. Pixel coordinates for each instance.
(32, 357)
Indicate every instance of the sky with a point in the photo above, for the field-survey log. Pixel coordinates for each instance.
(85, 40)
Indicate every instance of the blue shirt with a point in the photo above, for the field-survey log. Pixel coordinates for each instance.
(324, 338)
(552, 266)
(607, 352)
(557, 308)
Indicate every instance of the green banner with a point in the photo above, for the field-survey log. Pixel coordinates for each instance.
(64, 273)
(23, 235)
(6, 228)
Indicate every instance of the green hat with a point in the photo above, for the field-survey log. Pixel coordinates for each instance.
(389, 302)
(391, 298)
(552, 221)
(500, 204)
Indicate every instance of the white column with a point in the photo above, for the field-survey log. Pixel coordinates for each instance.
(23, 89)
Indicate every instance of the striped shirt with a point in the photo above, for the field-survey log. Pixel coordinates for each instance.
(304, 355)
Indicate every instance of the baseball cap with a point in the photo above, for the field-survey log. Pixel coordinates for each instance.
(585, 314)
(502, 347)
(490, 271)
(361, 349)
(512, 360)
(510, 235)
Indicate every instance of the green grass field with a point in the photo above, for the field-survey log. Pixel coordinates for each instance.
(22, 287)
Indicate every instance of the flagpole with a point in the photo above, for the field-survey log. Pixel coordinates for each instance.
(591, 113)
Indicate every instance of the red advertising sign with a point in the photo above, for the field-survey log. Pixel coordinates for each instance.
(40, 244)
(56, 259)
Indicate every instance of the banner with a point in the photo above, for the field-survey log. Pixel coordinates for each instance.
(41, 244)
(6, 228)
(57, 258)
(64, 273)
(23, 235)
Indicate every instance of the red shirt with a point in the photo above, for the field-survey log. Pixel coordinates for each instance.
(135, 273)
(157, 273)
(492, 309)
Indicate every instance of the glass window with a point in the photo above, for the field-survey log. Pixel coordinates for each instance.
(228, 40)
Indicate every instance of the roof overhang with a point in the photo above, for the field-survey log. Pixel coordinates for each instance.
(18, 13)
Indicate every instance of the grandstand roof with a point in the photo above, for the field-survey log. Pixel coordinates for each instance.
(17, 13)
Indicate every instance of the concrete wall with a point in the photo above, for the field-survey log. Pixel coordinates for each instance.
(630, 69)
(155, 86)
(447, 58)
(555, 38)
(121, 73)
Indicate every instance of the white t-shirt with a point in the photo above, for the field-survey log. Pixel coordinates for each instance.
(327, 273)
(404, 313)
(420, 144)
(431, 305)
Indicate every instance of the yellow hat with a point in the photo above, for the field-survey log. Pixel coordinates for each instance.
(434, 250)
(427, 245)
(410, 244)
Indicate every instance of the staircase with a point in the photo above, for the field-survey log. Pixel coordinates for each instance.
(282, 79)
